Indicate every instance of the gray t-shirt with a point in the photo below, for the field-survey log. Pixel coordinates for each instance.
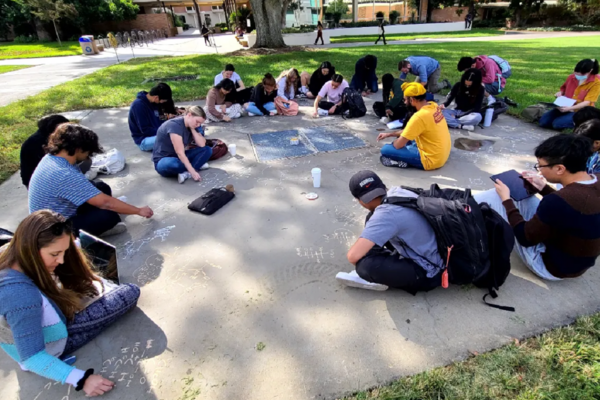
(398, 224)
(163, 146)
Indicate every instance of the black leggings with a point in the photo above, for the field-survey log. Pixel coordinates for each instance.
(92, 219)
(327, 105)
(382, 266)
(398, 113)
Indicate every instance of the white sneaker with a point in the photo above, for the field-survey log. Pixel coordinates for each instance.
(353, 280)
(491, 100)
(468, 127)
(116, 230)
(251, 114)
(205, 166)
(384, 120)
(184, 176)
(322, 112)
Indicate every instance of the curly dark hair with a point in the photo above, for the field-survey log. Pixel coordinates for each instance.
(71, 137)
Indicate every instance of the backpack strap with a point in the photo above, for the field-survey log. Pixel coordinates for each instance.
(492, 293)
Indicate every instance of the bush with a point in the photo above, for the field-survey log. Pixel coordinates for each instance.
(492, 23)
(300, 29)
(360, 24)
(25, 39)
(394, 15)
(574, 28)
(186, 27)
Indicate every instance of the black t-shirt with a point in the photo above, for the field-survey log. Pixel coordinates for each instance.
(32, 152)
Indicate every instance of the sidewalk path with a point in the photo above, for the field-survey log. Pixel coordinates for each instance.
(52, 71)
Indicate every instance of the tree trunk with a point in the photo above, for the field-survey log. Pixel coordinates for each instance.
(284, 6)
(42, 33)
(57, 35)
(267, 16)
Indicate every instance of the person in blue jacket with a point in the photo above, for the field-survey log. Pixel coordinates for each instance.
(365, 75)
(144, 115)
(427, 70)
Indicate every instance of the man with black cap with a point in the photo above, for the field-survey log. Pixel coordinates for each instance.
(144, 115)
(414, 264)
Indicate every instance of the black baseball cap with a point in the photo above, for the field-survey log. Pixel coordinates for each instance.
(366, 186)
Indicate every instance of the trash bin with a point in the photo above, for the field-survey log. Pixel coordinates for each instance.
(94, 44)
(86, 46)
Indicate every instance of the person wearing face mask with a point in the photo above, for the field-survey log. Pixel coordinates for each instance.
(58, 185)
(263, 98)
(320, 77)
(172, 155)
(52, 303)
(468, 96)
(583, 85)
(332, 90)
(558, 236)
(425, 141)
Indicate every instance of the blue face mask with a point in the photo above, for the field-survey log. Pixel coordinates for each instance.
(581, 78)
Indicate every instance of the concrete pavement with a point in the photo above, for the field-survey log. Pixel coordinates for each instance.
(52, 71)
(262, 269)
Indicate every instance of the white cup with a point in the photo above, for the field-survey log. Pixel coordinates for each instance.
(232, 149)
(316, 175)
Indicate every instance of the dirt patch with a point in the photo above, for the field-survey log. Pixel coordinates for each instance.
(265, 52)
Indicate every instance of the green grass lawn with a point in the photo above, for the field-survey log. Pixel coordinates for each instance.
(33, 50)
(563, 364)
(437, 35)
(537, 75)
(10, 68)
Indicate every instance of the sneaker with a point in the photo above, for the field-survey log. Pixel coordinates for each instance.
(491, 100)
(322, 112)
(388, 162)
(184, 176)
(353, 280)
(384, 120)
(251, 114)
(116, 230)
(91, 175)
(467, 127)
(510, 102)
(447, 83)
(205, 166)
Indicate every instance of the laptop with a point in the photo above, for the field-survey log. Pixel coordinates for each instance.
(102, 254)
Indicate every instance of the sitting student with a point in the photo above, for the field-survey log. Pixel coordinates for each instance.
(427, 71)
(288, 84)
(263, 97)
(468, 96)
(52, 303)
(33, 149)
(585, 114)
(320, 77)
(492, 78)
(365, 75)
(58, 185)
(559, 236)
(427, 127)
(583, 86)
(416, 264)
(217, 107)
(241, 94)
(172, 155)
(144, 115)
(333, 91)
(591, 130)
(392, 107)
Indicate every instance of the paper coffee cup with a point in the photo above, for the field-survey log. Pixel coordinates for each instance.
(316, 175)
(232, 149)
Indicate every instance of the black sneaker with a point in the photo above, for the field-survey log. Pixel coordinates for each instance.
(388, 162)
(510, 102)
(447, 83)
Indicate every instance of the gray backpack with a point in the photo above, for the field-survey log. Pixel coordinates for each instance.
(534, 113)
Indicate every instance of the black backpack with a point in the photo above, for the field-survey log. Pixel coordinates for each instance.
(501, 241)
(211, 201)
(499, 106)
(459, 228)
(353, 102)
(5, 236)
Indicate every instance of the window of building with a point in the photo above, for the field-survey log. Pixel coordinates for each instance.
(217, 8)
(189, 9)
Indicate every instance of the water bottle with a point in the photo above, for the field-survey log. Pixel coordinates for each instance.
(489, 113)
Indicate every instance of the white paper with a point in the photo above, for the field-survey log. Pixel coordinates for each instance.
(564, 101)
(395, 124)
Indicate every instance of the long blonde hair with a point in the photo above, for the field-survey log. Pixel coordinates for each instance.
(37, 231)
(289, 73)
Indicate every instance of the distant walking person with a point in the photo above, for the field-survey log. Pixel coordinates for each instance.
(319, 33)
(204, 31)
(381, 32)
(468, 20)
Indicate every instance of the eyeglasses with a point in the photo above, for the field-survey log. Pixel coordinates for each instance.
(538, 166)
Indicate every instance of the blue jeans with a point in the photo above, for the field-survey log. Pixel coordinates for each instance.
(172, 166)
(251, 108)
(409, 154)
(554, 119)
(147, 144)
(370, 81)
(456, 118)
(493, 88)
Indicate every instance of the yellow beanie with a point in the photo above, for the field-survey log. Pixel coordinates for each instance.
(412, 89)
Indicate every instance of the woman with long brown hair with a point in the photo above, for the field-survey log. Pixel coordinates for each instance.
(52, 303)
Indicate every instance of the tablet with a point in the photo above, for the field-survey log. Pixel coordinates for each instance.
(520, 189)
(102, 254)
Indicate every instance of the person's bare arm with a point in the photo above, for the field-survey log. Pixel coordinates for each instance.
(400, 142)
(198, 138)
(106, 202)
(180, 150)
(242, 86)
(359, 250)
(317, 100)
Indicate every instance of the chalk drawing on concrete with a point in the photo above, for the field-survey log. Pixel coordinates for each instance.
(130, 248)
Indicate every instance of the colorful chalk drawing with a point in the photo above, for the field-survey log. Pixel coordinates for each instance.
(130, 248)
